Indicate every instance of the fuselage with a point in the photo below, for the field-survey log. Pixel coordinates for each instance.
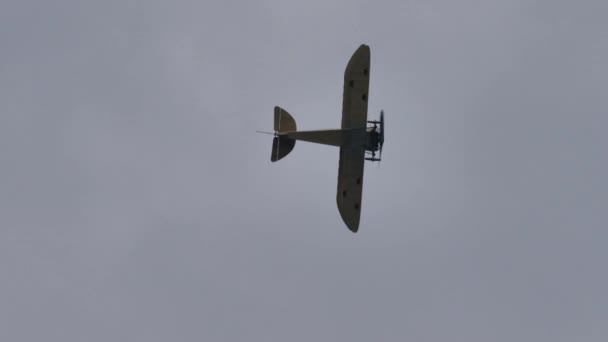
(372, 142)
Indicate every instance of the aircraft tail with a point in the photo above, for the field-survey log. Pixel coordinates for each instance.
(282, 144)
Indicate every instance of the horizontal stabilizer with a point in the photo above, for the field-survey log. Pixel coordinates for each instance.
(281, 146)
(283, 122)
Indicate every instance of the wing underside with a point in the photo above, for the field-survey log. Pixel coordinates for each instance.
(352, 153)
(356, 89)
(350, 185)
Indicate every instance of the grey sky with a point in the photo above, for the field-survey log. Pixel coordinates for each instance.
(138, 204)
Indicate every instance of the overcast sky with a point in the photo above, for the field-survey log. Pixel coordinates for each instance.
(138, 204)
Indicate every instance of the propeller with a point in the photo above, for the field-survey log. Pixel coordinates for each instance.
(381, 142)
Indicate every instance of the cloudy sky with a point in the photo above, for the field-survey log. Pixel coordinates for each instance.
(138, 204)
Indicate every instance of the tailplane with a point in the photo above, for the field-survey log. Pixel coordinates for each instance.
(281, 144)
(283, 122)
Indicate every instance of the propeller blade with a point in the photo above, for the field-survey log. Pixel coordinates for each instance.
(381, 135)
(382, 126)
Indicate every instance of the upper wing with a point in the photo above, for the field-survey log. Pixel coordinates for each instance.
(356, 88)
(352, 153)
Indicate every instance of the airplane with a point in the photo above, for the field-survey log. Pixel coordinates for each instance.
(358, 141)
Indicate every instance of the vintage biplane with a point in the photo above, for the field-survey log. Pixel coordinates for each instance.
(358, 139)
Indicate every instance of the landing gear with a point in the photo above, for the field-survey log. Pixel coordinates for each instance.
(373, 156)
